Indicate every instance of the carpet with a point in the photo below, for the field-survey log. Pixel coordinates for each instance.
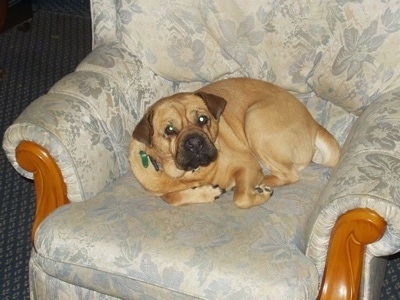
(30, 63)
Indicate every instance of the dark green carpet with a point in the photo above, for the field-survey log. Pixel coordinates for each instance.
(30, 63)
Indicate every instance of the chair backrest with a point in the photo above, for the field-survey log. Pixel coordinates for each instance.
(206, 40)
(344, 51)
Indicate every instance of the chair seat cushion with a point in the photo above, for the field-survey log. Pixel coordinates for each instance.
(127, 244)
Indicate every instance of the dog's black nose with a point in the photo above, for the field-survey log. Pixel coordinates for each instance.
(194, 144)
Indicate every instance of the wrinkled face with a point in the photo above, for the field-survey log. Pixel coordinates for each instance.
(181, 130)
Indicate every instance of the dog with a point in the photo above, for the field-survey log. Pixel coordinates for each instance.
(192, 147)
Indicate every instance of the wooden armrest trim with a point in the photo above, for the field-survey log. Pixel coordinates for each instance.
(352, 232)
(51, 191)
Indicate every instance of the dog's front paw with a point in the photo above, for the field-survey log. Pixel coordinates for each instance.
(208, 192)
(197, 194)
(264, 190)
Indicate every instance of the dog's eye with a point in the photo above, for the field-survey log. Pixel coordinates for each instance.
(202, 120)
(170, 130)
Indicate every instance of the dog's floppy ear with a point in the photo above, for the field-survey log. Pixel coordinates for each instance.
(214, 103)
(144, 129)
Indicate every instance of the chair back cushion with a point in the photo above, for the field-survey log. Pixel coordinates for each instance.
(205, 40)
(362, 59)
(345, 51)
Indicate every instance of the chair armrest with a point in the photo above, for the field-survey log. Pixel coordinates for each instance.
(73, 141)
(66, 143)
(367, 178)
(84, 137)
(86, 120)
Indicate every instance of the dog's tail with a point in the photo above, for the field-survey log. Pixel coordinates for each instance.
(327, 150)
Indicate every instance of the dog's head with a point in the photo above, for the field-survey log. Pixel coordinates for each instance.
(180, 131)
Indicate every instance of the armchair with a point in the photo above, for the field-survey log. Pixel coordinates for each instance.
(99, 235)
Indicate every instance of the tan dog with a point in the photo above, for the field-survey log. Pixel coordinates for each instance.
(203, 143)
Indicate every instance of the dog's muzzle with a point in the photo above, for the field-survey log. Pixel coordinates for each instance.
(195, 150)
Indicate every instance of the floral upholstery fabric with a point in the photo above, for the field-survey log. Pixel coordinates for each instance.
(208, 251)
(204, 40)
(124, 243)
(359, 65)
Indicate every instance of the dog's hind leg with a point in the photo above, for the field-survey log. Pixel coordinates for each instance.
(280, 175)
(280, 145)
(249, 191)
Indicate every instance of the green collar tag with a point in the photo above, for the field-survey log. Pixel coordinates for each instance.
(145, 159)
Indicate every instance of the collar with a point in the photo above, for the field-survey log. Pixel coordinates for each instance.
(157, 166)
